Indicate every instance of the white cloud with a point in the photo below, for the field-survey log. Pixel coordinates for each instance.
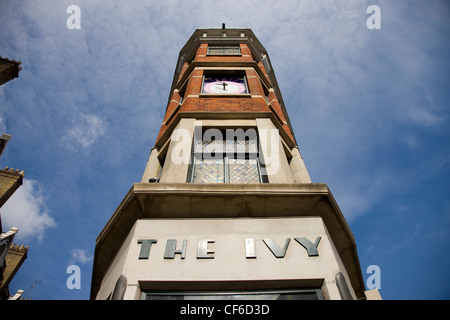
(88, 128)
(79, 256)
(26, 210)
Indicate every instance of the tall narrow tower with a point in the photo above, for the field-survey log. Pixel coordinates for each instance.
(226, 206)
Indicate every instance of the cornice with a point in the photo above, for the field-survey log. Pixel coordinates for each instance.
(145, 201)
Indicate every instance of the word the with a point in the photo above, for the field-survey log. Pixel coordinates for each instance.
(74, 20)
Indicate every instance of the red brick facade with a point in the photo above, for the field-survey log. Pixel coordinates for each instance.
(259, 100)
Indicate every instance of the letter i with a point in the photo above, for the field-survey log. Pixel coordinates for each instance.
(250, 249)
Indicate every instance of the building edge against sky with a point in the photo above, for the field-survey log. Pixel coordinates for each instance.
(12, 255)
(225, 203)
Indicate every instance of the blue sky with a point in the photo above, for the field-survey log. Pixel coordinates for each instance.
(370, 111)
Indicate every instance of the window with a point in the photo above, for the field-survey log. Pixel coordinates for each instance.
(296, 294)
(224, 50)
(226, 156)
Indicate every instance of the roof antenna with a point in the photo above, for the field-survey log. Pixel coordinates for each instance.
(223, 25)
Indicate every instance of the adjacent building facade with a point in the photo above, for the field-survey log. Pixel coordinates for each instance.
(226, 207)
(9, 69)
(12, 255)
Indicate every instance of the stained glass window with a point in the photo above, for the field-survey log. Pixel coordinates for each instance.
(243, 171)
(209, 171)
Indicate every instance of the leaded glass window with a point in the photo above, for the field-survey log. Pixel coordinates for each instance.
(243, 171)
(224, 50)
(209, 171)
(226, 157)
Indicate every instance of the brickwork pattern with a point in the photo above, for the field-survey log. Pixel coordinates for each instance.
(194, 101)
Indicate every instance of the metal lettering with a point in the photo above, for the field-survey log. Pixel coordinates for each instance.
(202, 249)
(170, 251)
(275, 248)
(145, 248)
(250, 249)
(203, 252)
(310, 247)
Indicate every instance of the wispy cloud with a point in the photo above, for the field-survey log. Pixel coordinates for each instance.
(368, 108)
(79, 256)
(27, 210)
(87, 129)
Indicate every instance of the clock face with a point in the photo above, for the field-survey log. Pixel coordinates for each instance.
(224, 85)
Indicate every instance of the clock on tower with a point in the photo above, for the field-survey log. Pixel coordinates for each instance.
(224, 85)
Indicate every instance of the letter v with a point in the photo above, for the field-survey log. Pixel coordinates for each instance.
(309, 246)
(275, 248)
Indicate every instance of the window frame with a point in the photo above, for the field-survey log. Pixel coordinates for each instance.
(198, 156)
(244, 294)
(209, 53)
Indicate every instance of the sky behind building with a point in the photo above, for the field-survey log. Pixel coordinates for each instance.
(369, 109)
